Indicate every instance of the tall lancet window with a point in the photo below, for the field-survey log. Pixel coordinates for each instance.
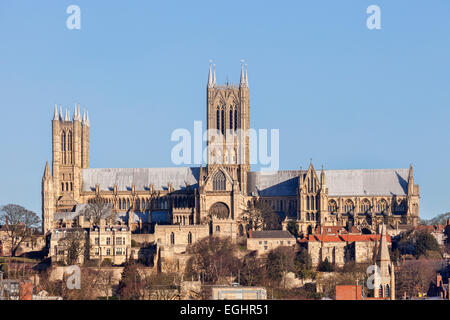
(235, 119)
(70, 141)
(219, 181)
(231, 118)
(63, 141)
(218, 119)
(223, 121)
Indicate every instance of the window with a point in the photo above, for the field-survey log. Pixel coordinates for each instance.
(235, 119)
(231, 119)
(119, 241)
(97, 251)
(189, 238)
(365, 206)
(219, 181)
(97, 241)
(332, 206)
(217, 228)
(218, 119)
(108, 241)
(380, 291)
(387, 291)
(260, 242)
(108, 252)
(348, 207)
(382, 206)
(119, 251)
(223, 121)
(172, 238)
(265, 247)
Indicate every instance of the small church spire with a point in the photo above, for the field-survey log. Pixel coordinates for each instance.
(75, 113)
(214, 75)
(47, 173)
(322, 177)
(67, 117)
(246, 76)
(87, 118)
(55, 116)
(60, 113)
(210, 76)
(242, 81)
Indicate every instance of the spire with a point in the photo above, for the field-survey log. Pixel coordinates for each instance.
(210, 76)
(60, 113)
(55, 116)
(86, 118)
(383, 251)
(246, 76)
(322, 177)
(47, 173)
(75, 113)
(214, 75)
(242, 82)
(410, 180)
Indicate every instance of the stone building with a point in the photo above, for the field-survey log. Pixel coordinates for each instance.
(111, 242)
(217, 194)
(264, 241)
(341, 247)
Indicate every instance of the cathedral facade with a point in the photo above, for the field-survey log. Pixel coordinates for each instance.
(216, 195)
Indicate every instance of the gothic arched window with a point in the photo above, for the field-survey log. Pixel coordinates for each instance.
(223, 121)
(235, 119)
(365, 206)
(217, 228)
(69, 143)
(382, 206)
(332, 206)
(218, 119)
(231, 119)
(380, 291)
(172, 238)
(63, 141)
(189, 237)
(348, 207)
(387, 291)
(219, 181)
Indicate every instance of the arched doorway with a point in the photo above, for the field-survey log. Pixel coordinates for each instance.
(218, 211)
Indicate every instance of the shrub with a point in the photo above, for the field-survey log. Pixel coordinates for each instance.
(107, 262)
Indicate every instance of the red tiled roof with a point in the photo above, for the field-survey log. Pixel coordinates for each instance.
(343, 238)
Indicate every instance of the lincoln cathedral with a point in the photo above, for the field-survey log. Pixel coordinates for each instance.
(183, 204)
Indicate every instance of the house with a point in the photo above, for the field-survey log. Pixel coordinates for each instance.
(264, 241)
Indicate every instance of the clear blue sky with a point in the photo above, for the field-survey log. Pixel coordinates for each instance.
(346, 96)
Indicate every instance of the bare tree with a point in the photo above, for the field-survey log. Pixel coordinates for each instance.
(163, 286)
(74, 244)
(98, 208)
(260, 216)
(104, 281)
(19, 224)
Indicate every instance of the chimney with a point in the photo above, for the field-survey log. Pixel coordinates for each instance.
(250, 233)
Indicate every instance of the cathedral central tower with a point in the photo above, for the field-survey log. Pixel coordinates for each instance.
(228, 124)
